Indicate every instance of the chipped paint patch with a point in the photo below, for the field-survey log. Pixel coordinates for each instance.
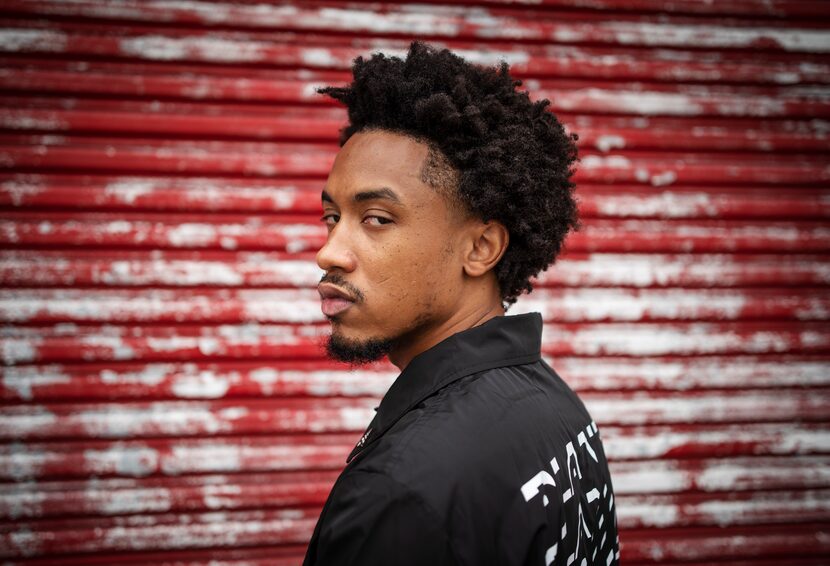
(608, 142)
(196, 234)
(202, 385)
(21, 380)
(20, 40)
(22, 191)
(221, 496)
(133, 460)
(16, 351)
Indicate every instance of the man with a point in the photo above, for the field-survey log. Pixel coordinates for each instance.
(451, 190)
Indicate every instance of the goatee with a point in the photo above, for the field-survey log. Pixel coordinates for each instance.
(357, 352)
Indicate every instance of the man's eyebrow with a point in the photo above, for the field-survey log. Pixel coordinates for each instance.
(326, 197)
(381, 193)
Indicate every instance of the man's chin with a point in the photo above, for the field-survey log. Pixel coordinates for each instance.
(357, 351)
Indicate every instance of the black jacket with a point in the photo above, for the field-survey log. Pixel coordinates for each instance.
(478, 454)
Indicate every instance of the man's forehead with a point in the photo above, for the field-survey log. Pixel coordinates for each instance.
(386, 164)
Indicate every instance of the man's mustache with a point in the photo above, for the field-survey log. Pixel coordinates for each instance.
(337, 279)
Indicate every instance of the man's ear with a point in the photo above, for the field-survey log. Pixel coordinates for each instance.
(489, 242)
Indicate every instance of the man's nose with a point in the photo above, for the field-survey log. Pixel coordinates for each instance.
(337, 252)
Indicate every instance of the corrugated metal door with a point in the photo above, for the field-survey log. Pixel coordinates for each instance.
(164, 396)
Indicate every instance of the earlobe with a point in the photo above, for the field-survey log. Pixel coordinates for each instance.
(490, 240)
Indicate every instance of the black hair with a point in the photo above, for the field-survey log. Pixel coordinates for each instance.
(511, 158)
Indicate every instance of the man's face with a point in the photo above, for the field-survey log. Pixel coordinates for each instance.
(392, 270)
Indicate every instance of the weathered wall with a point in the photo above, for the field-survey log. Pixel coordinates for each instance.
(163, 393)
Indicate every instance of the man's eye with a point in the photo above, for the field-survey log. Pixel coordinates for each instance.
(330, 219)
(376, 220)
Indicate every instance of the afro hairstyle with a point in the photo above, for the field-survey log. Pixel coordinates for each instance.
(511, 158)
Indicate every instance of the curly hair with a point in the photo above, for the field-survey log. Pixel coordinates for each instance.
(510, 159)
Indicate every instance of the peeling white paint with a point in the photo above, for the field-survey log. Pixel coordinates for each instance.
(150, 375)
(609, 161)
(208, 48)
(664, 178)
(213, 457)
(646, 33)
(23, 40)
(23, 120)
(665, 204)
(221, 496)
(21, 191)
(133, 460)
(266, 377)
(429, 23)
(784, 439)
(129, 190)
(126, 501)
(187, 234)
(118, 348)
(204, 384)
(318, 57)
(25, 421)
(647, 512)
(21, 380)
(26, 542)
(732, 372)
(648, 103)
(608, 142)
(617, 304)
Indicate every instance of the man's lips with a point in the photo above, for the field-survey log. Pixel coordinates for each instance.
(333, 300)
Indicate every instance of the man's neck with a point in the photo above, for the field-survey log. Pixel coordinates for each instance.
(413, 344)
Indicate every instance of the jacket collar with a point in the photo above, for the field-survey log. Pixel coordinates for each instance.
(501, 341)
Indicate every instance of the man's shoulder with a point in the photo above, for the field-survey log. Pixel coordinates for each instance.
(475, 424)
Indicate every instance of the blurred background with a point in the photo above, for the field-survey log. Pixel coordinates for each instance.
(164, 396)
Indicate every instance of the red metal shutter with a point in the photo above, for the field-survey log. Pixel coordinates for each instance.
(164, 396)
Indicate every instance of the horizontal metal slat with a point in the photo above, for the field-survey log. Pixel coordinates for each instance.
(224, 306)
(719, 129)
(324, 378)
(272, 50)
(179, 456)
(638, 511)
(243, 528)
(194, 418)
(287, 416)
(268, 160)
(633, 511)
(716, 475)
(201, 493)
(199, 381)
(198, 493)
(446, 21)
(691, 373)
(798, 543)
(673, 135)
(174, 531)
(654, 99)
(270, 554)
(711, 441)
(272, 91)
(188, 268)
(134, 194)
(753, 8)
(299, 234)
(297, 452)
(75, 343)
(787, 542)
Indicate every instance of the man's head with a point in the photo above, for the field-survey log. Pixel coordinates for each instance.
(450, 192)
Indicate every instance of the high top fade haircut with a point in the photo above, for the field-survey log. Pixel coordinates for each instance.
(491, 150)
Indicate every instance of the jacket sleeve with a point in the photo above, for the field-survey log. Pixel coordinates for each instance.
(374, 520)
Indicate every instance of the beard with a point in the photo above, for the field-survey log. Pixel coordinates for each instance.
(357, 352)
